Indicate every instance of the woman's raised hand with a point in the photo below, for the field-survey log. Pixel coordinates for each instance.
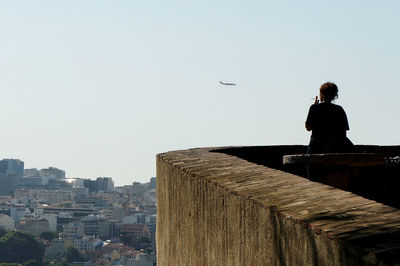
(316, 100)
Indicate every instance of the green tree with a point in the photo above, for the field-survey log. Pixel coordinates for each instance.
(127, 239)
(54, 262)
(73, 255)
(3, 251)
(48, 235)
(144, 239)
(2, 232)
(31, 263)
(20, 247)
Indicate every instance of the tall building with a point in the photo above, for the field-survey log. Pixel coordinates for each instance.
(52, 173)
(138, 188)
(90, 185)
(11, 170)
(33, 172)
(104, 184)
(152, 183)
(12, 167)
(100, 184)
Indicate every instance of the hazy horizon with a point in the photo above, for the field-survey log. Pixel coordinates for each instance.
(98, 88)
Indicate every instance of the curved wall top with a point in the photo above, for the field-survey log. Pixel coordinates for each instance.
(214, 208)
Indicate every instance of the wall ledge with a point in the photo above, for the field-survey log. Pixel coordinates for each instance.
(337, 227)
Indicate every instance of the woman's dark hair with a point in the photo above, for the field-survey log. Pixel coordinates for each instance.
(329, 90)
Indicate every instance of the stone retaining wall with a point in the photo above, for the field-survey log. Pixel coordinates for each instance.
(217, 209)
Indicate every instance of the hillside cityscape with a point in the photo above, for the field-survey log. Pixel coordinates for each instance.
(71, 220)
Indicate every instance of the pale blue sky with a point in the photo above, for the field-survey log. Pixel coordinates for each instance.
(98, 88)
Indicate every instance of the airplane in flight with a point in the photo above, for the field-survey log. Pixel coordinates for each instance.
(227, 84)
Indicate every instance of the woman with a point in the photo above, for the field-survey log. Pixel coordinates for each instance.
(328, 123)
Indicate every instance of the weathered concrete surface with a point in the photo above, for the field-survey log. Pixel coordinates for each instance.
(217, 209)
(348, 159)
(338, 170)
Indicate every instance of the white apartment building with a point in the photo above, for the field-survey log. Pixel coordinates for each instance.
(6, 222)
(87, 243)
(72, 231)
(54, 196)
(52, 219)
(17, 213)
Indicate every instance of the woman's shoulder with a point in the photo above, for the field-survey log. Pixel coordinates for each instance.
(337, 106)
(326, 107)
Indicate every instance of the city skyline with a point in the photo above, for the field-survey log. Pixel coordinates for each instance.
(98, 88)
(13, 169)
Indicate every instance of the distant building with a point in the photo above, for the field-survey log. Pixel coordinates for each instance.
(87, 243)
(107, 229)
(92, 224)
(152, 230)
(35, 226)
(55, 196)
(37, 212)
(72, 230)
(125, 257)
(17, 213)
(6, 222)
(56, 248)
(135, 231)
(141, 260)
(11, 170)
(100, 184)
(32, 182)
(138, 188)
(5, 210)
(32, 179)
(48, 178)
(153, 183)
(131, 219)
(153, 218)
(52, 219)
(89, 201)
(78, 182)
(118, 213)
(138, 217)
(12, 167)
(58, 184)
(63, 219)
(90, 185)
(32, 172)
(104, 184)
(109, 248)
(45, 195)
(52, 173)
(21, 193)
(84, 201)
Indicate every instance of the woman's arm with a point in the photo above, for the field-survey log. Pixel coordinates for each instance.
(310, 116)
